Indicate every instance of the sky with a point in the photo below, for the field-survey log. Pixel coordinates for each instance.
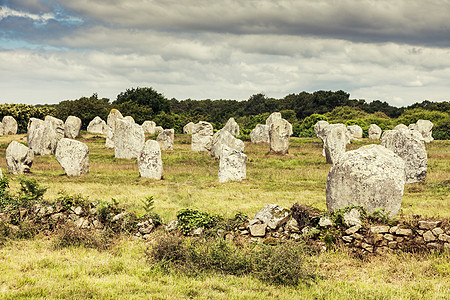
(394, 51)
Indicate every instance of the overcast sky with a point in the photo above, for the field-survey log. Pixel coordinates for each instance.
(395, 51)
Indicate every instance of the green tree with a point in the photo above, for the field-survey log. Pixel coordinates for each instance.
(144, 97)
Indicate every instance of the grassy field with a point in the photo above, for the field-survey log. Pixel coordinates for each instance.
(36, 269)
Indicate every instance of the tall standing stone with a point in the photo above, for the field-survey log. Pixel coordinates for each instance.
(401, 127)
(9, 125)
(158, 129)
(277, 116)
(224, 138)
(279, 136)
(149, 127)
(97, 126)
(232, 165)
(374, 132)
(371, 176)
(73, 156)
(335, 143)
(409, 145)
(165, 139)
(43, 136)
(111, 120)
(232, 127)
(129, 138)
(149, 161)
(260, 134)
(72, 127)
(187, 129)
(319, 128)
(355, 132)
(19, 158)
(425, 128)
(202, 134)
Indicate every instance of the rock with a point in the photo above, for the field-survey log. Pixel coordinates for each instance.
(202, 134)
(371, 176)
(97, 126)
(197, 231)
(355, 132)
(428, 236)
(335, 142)
(145, 227)
(73, 156)
(111, 121)
(224, 137)
(425, 129)
(319, 129)
(187, 129)
(403, 231)
(374, 132)
(78, 210)
(408, 144)
(158, 129)
(149, 127)
(273, 215)
(150, 162)
(232, 165)
(9, 125)
(277, 116)
(165, 139)
(354, 229)
(352, 218)
(279, 136)
(109, 143)
(119, 217)
(260, 134)
(129, 139)
(1, 128)
(172, 225)
(347, 239)
(19, 158)
(43, 136)
(232, 127)
(292, 225)
(401, 127)
(379, 229)
(258, 230)
(130, 119)
(444, 238)
(72, 127)
(325, 222)
(429, 225)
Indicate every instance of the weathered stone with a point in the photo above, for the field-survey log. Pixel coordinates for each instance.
(158, 129)
(202, 134)
(292, 225)
(389, 237)
(130, 119)
(335, 142)
(111, 121)
(408, 144)
(224, 138)
(367, 247)
(347, 238)
(19, 158)
(429, 225)
(232, 165)
(78, 210)
(1, 128)
(401, 127)
(9, 125)
(109, 143)
(232, 127)
(129, 139)
(149, 127)
(258, 229)
(119, 217)
(325, 222)
(352, 217)
(172, 225)
(273, 215)
(73, 156)
(379, 229)
(353, 229)
(355, 132)
(197, 231)
(43, 136)
(165, 139)
(371, 176)
(374, 132)
(403, 231)
(145, 227)
(97, 126)
(277, 116)
(260, 134)
(437, 231)
(392, 245)
(425, 129)
(279, 136)
(187, 129)
(150, 162)
(72, 127)
(319, 129)
(434, 245)
(444, 238)
(428, 236)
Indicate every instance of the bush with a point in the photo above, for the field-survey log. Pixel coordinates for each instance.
(72, 236)
(190, 219)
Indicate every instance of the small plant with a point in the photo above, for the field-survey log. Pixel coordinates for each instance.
(69, 201)
(148, 205)
(190, 219)
(30, 190)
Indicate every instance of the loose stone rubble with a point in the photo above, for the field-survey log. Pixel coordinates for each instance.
(232, 165)
(224, 137)
(9, 125)
(165, 139)
(72, 127)
(73, 156)
(232, 127)
(202, 134)
(260, 134)
(97, 126)
(149, 161)
(19, 158)
(374, 132)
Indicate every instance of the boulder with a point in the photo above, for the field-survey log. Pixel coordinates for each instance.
(165, 139)
(355, 132)
(371, 176)
(97, 126)
(9, 125)
(202, 134)
(72, 127)
(43, 136)
(277, 116)
(73, 156)
(19, 158)
(424, 127)
(401, 127)
(149, 161)
(335, 142)
(374, 132)
(319, 129)
(232, 127)
(224, 137)
(279, 136)
(130, 119)
(232, 165)
(111, 120)
(187, 129)
(158, 129)
(149, 127)
(260, 134)
(409, 145)
(129, 138)
(273, 215)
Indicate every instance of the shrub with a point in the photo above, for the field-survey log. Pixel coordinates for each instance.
(190, 219)
(72, 236)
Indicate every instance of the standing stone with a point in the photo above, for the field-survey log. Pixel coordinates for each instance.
(158, 129)
(260, 134)
(43, 136)
(97, 125)
(187, 129)
(149, 161)
(277, 116)
(374, 132)
(425, 129)
(319, 128)
(401, 127)
(202, 134)
(409, 145)
(279, 136)
(371, 176)
(224, 137)
(129, 138)
(72, 127)
(9, 125)
(232, 165)
(335, 143)
(232, 127)
(19, 158)
(149, 127)
(73, 156)
(130, 119)
(111, 120)
(355, 132)
(109, 142)
(165, 139)
(1, 128)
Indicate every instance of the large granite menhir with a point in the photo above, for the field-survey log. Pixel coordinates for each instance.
(73, 156)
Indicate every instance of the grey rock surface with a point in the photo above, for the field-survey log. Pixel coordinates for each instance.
(202, 134)
(9, 125)
(279, 132)
(149, 161)
(165, 139)
(224, 137)
(72, 127)
(97, 126)
(73, 156)
(232, 127)
(232, 165)
(374, 132)
(19, 158)
(129, 139)
(260, 134)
